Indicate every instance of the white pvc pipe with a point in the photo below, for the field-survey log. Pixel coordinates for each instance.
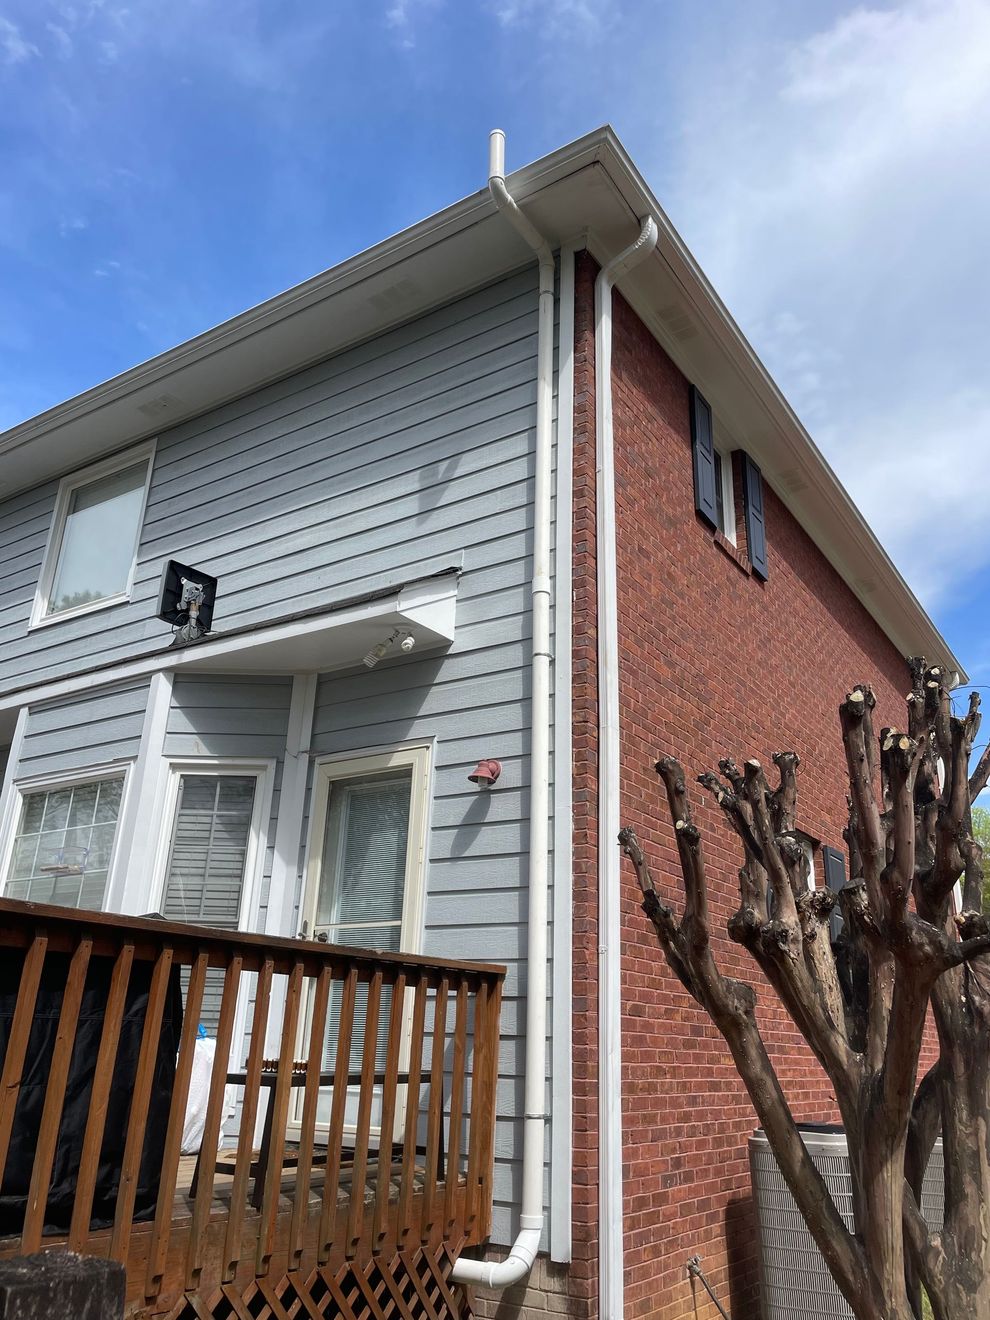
(610, 1282)
(502, 1274)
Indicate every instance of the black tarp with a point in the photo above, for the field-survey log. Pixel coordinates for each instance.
(27, 1116)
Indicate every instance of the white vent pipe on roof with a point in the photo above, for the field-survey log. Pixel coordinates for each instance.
(503, 1274)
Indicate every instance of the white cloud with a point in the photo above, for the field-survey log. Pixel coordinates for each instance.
(835, 190)
(551, 16)
(14, 48)
(921, 475)
(403, 17)
(61, 40)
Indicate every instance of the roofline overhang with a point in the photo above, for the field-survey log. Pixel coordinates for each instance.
(799, 472)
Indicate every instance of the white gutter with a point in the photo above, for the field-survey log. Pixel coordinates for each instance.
(610, 1282)
(517, 1265)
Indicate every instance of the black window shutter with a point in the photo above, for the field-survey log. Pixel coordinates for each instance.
(703, 449)
(756, 532)
(835, 878)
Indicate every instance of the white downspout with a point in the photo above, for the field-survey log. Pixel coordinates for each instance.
(610, 1283)
(523, 1252)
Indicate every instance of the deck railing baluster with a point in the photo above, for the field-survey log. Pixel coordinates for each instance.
(406, 1185)
(17, 1043)
(206, 1163)
(140, 1100)
(249, 1114)
(362, 1134)
(277, 1119)
(434, 1111)
(96, 1119)
(307, 1125)
(338, 1104)
(453, 1161)
(386, 1136)
(162, 1230)
(51, 1114)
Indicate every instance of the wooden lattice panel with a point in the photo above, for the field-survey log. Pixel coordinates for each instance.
(410, 1285)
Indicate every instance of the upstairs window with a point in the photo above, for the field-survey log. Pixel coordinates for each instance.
(89, 562)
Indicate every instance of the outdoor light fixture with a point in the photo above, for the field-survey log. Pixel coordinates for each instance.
(485, 773)
(186, 601)
(381, 650)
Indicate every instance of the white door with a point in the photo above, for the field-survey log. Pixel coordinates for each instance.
(365, 882)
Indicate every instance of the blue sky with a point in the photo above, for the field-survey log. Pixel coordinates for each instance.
(167, 163)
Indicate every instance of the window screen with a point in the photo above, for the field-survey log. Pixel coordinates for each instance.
(64, 842)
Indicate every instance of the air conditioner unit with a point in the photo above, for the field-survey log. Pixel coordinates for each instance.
(794, 1280)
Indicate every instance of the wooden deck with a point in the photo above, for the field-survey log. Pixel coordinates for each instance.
(333, 1230)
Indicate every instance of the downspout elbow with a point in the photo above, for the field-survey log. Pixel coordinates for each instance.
(505, 202)
(502, 1273)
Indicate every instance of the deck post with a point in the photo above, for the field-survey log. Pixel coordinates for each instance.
(61, 1283)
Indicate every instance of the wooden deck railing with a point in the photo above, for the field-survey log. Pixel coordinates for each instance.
(364, 1130)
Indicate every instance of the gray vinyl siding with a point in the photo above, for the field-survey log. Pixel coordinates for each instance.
(234, 718)
(92, 729)
(394, 460)
(475, 701)
(374, 467)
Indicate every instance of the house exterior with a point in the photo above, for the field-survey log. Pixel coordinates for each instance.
(357, 463)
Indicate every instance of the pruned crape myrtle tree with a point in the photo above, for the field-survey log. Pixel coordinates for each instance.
(862, 1006)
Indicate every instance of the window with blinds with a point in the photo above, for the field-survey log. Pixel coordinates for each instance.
(64, 843)
(207, 862)
(362, 884)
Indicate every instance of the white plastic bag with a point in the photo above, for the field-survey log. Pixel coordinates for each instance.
(199, 1095)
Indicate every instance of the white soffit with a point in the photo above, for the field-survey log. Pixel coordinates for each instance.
(318, 643)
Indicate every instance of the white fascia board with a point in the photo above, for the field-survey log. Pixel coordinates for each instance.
(333, 639)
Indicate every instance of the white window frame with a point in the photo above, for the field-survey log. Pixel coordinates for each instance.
(350, 765)
(263, 769)
(92, 774)
(728, 495)
(40, 616)
(375, 761)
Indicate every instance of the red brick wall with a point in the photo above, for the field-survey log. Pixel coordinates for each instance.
(712, 661)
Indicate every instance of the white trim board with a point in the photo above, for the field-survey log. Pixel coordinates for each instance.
(9, 796)
(138, 825)
(561, 1129)
(291, 807)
